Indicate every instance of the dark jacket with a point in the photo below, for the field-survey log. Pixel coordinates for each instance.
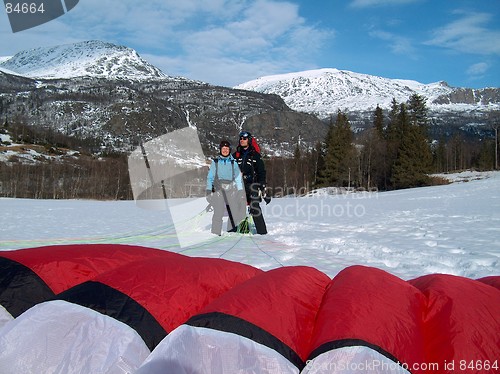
(251, 165)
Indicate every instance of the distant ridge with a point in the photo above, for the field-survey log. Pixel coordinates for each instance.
(90, 58)
(323, 91)
(49, 85)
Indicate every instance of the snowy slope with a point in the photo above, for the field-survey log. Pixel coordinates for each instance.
(322, 91)
(453, 229)
(90, 58)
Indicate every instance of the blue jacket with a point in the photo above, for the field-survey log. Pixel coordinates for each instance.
(225, 171)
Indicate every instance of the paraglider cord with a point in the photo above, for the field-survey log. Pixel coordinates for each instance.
(267, 254)
(234, 245)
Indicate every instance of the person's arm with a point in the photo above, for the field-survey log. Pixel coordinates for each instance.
(260, 171)
(211, 176)
(238, 177)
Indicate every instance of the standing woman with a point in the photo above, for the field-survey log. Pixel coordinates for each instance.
(225, 189)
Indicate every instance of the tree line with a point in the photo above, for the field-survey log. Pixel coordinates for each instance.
(80, 174)
(395, 152)
(81, 178)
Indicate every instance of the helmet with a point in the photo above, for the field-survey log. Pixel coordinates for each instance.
(224, 143)
(245, 134)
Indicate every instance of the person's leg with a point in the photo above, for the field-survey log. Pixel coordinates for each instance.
(218, 205)
(256, 211)
(231, 224)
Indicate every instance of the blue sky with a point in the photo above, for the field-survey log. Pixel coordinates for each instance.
(228, 42)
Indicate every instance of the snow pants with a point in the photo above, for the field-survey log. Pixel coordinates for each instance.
(227, 201)
(253, 200)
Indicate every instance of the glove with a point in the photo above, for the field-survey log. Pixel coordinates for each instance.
(266, 198)
(208, 196)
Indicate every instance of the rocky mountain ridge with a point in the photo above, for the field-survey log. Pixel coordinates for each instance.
(90, 58)
(108, 95)
(324, 91)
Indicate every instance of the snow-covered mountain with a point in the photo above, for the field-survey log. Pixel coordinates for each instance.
(109, 93)
(62, 87)
(90, 58)
(323, 91)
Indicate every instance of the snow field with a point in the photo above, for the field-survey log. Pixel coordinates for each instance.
(452, 229)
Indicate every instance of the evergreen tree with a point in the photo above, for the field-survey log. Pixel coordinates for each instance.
(413, 162)
(393, 137)
(376, 153)
(418, 110)
(296, 153)
(297, 167)
(391, 132)
(486, 160)
(317, 163)
(378, 122)
(340, 153)
(414, 157)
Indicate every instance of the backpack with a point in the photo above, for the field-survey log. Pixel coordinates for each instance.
(255, 145)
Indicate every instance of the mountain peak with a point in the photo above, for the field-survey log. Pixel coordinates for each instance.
(89, 58)
(323, 91)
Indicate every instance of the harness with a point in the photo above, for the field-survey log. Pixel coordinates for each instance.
(222, 183)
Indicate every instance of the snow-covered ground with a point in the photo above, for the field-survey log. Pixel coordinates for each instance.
(453, 229)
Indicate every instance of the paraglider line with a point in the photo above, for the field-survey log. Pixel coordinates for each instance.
(260, 249)
(234, 245)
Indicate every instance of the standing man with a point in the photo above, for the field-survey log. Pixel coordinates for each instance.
(254, 177)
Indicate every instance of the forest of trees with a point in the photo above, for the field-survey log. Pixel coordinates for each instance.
(81, 176)
(394, 153)
(105, 179)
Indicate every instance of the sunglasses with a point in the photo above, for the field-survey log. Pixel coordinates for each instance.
(243, 137)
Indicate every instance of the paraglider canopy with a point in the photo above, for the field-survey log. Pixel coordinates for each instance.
(117, 308)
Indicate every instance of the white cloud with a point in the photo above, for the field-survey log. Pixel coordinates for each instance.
(398, 44)
(374, 3)
(49, 34)
(263, 37)
(220, 41)
(468, 34)
(477, 71)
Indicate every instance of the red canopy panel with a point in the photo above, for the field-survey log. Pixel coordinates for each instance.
(154, 296)
(461, 322)
(65, 266)
(33, 275)
(277, 308)
(368, 307)
(492, 281)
